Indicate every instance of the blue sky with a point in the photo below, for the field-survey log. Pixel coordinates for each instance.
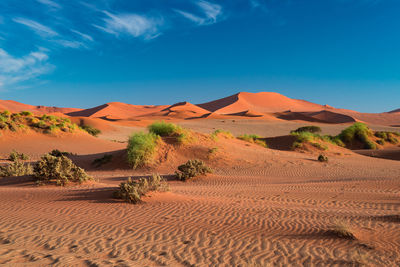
(82, 53)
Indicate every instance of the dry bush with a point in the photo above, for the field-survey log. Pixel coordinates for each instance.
(59, 169)
(192, 168)
(17, 168)
(132, 191)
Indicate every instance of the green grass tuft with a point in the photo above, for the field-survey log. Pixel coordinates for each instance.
(253, 138)
(141, 148)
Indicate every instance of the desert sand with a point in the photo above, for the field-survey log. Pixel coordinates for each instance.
(260, 206)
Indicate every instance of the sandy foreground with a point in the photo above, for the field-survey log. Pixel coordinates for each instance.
(260, 207)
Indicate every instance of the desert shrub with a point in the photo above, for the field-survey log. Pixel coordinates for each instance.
(223, 133)
(322, 158)
(58, 153)
(253, 138)
(141, 148)
(310, 129)
(6, 113)
(390, 137)
(358, 132)
(60, 169)
(17, 168)
(12, 126)
(192, 168)
(132, 191)
(90, 130)
(26, 113)
(103, 160)
(319, 146)
(165, 129)
(49, 118)
(342, 230)
(14, 155)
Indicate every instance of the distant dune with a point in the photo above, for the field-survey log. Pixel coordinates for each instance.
(263, 105)
(15, 106)
(264, 102)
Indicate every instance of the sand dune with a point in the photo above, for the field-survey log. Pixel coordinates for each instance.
(264, 102)
(319, 116)
(14, 106)
(395, 111)
(117, 110)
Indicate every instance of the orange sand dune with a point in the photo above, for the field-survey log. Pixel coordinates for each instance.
(36, 144)
(15, 106)
(117, 110)
(264, 102)
(395, 111)
(320, 116)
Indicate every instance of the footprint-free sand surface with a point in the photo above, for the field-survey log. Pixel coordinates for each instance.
(260, 207)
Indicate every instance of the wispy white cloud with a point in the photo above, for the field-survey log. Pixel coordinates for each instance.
(83, 35)
(131, 24)
(70, 44)
(210, 13)
(40, 29)
(50, 3)
(15, 70)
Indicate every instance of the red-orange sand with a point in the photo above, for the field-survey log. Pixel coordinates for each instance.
(260, 207)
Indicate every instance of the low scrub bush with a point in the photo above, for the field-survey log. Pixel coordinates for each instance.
(17, 168)
(322, 158)
(165, 129)
(223, 133)
(58, 153)
(14, 155)
(141, 148)
(59, 169)
(358, 132)
(90, 130)
(103, 160)
(132, 191)
(192, 168)
(26, 113)
(390, 137)
(253, 138)
(310, 129)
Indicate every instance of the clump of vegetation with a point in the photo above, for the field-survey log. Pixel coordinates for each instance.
(132, 191)
(322, 158)
(141, 148)
(58, 153)
(17, 168)
(90, 130)
(59, 169)
(357, 133)
(223, 133)
(103, 160)
(192, 168)
(165, 129)
(342, 230)
(14, 156)
(27, 120)
(310, 129)
(253, 138)
(390, 137)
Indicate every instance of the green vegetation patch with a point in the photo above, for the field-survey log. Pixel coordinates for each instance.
(141, 148)
(357, 133)
(165, 129)
(253, 138)
(132, 191)
(90, 130)
(310, 129)
(390, 137)
(192, 168)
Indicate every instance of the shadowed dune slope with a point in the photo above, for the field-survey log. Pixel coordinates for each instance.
(320, 116)
(264, 102)
(117, 110)
(395, 111)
